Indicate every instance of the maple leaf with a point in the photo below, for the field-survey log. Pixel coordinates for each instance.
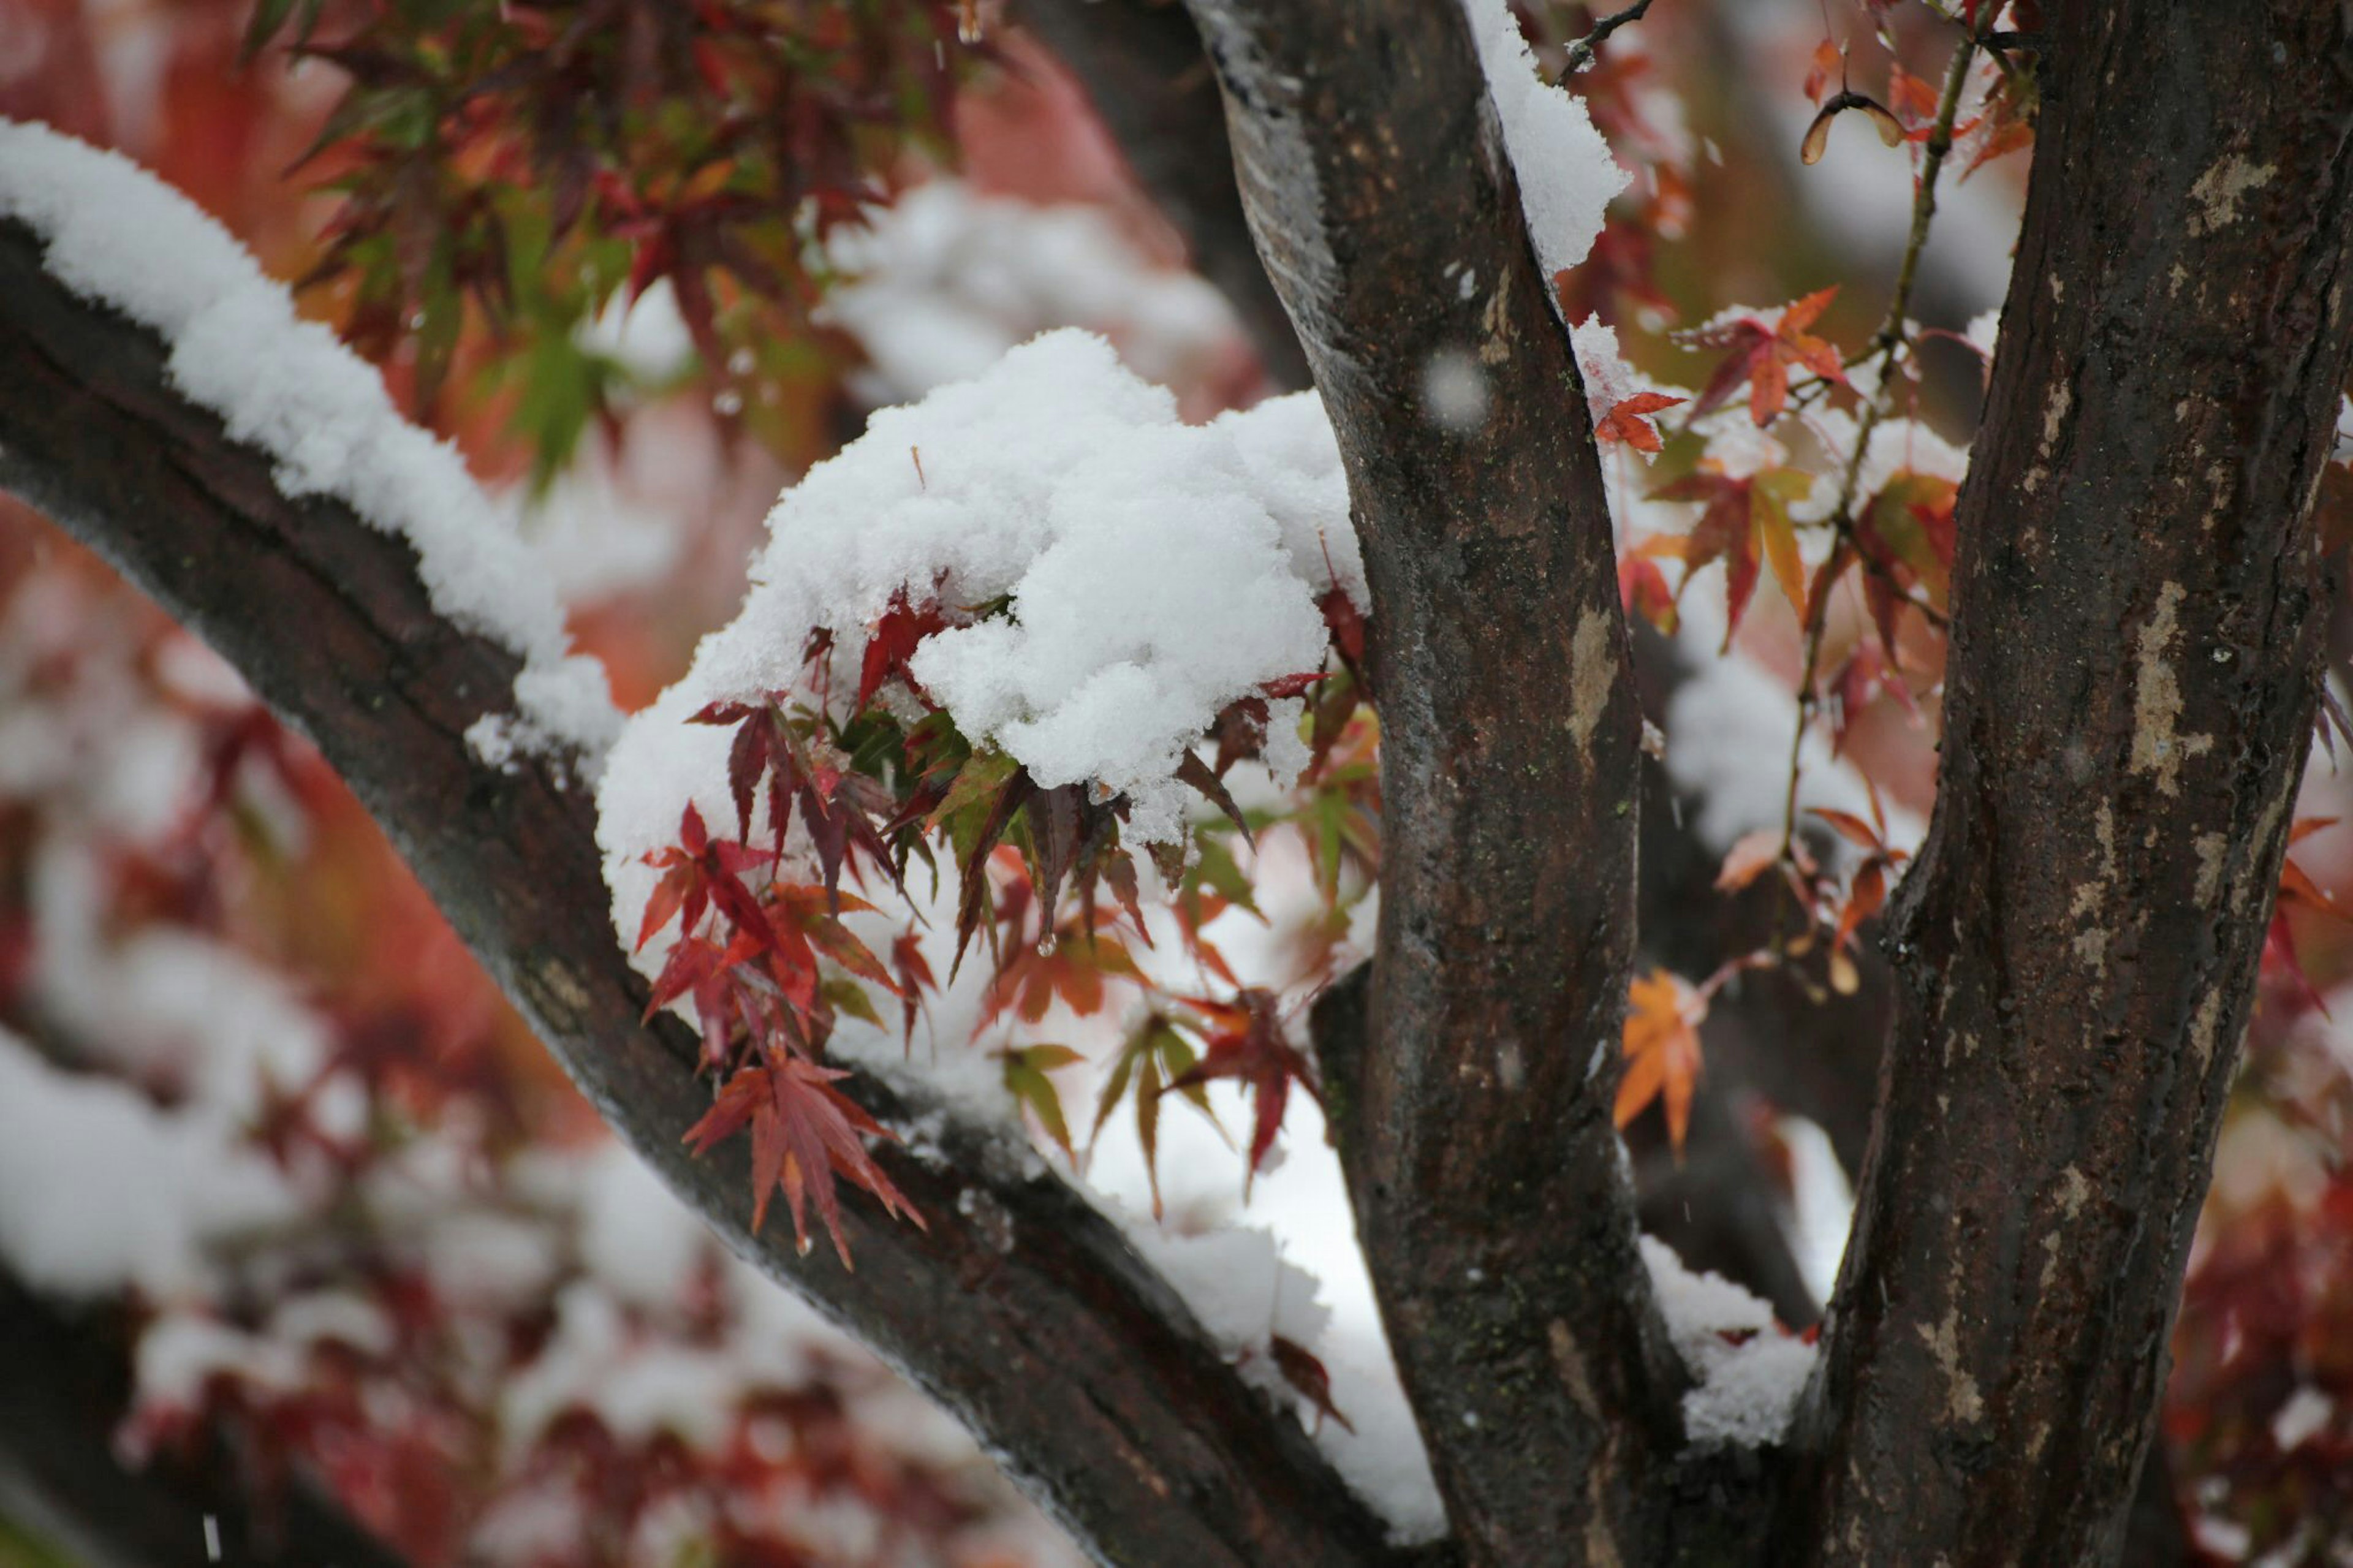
(1244, 1040)
(1905, 537)
(1748, 858)
(1307, 1376)
(839, 808)
(1072, 964)
(893, 640)
(1026, 1069)
(1662, 1047)
(805, 1132)
(1761, 353)
(1627, 421)
(697, 872)
(1156, 1054)
(1746, 523)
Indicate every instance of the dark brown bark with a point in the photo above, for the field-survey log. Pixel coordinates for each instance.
(1021, 1307)
(2138, 615)
(1492, 1196)
(1142, 65)
(67, 1388)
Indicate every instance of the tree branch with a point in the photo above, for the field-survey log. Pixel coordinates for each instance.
(66, 1389)
(2138, 616)
(1582, 52)
(1491, 1193)
(1021, 1308)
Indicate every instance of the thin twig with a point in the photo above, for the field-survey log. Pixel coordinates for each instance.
(1583, 52)
(1888, 342)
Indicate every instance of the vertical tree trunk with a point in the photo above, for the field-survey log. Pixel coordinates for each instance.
(1491, 1191)
(2138, 616)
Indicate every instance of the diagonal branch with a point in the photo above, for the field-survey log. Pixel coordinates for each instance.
(1021, 1308)
(67, 1389)
(2139, 612)
(1492, 1196)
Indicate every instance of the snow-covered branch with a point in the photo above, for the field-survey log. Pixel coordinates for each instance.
(1021, 1307)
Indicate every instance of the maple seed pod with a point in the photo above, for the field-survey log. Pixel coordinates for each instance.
(1818, 134)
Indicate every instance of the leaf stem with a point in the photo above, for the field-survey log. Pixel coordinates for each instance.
(1888, 342)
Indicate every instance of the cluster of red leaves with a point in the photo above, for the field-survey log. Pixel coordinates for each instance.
(769, 968)
(748, 958)
(2256, 1409)
(407, 1427)
(530, 161)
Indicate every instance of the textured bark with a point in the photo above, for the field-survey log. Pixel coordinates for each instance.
(2138, 617)
(1492, 1197)
(67, 1386)
(1021, 1307)
(1142, 65)
(1143, 68)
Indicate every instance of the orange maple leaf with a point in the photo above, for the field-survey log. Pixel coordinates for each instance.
(1762, 354)
(1663, 1060)
(1625, 422)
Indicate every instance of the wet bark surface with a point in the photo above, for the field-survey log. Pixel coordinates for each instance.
(1493, 1199)
(2138, 617)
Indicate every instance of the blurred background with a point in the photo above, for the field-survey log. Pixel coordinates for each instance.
(308, 1254)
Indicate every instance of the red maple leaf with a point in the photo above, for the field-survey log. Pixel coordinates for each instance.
(1761, 353)
(1244, 1040)
(1625, 422)
(895, 637)
(805, 1132)
(1746, 523)
(700, 871)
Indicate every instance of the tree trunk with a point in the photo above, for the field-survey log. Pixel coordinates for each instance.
(2138, 615)
(1491, 1191)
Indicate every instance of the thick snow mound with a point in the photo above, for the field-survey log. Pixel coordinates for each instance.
(1156, 571)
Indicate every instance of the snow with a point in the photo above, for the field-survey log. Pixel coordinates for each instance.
(1238, 1281)
(114, 234)
(1745, 1391)
(941, 284)
(1609, 379)
(2301, 1417)
(1157, 570)
(1728, 729)
(1567, 175)
(101, 1189)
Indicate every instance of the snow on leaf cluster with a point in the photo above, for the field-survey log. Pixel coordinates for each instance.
(115, 234)
(1151, 572)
